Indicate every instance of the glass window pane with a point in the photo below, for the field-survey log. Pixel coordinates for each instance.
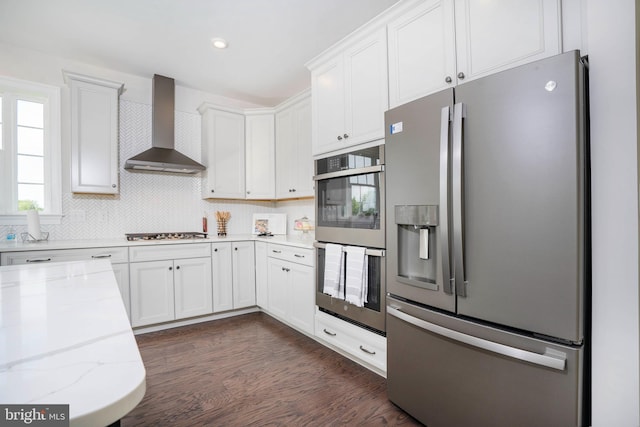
(30, 196)
(30, 169)
(30, 141)
(30, 114)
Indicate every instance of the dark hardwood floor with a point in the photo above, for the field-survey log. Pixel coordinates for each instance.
(253, 370)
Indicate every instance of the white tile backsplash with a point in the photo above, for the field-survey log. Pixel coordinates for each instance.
(157, 202)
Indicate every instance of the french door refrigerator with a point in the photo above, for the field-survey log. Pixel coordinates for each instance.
(487, 250)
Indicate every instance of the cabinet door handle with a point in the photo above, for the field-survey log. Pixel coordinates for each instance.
(331, 334)
(461, 75)
(339, 138)
(215, 250)
(367, 351)
(276, 252)
(235, 249)
(448, 79)
(298, 256)
(170, 268)
(346, 135)
(213, 191)
(178, 267)
(101, 256)
(39, 260)
(113, 186)
(248, 192)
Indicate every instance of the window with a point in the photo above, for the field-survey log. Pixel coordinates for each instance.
(29, 149)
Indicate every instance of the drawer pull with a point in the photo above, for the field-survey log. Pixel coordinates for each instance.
(101, 256)
(39, 260)
(298, 256)
(332, 334)
(276, 252)
(367, 351)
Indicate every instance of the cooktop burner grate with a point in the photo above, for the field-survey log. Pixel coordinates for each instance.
(166, 236)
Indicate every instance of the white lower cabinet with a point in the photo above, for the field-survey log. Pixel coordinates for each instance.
(119, 257)
(363, 346)
(170, 282)
(291, 286)
(234, 280)
(262, 275)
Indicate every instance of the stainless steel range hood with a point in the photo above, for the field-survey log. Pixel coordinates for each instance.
(162, 156)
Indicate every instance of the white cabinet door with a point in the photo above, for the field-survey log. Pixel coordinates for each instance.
(350, 95)
(244, 277)
(121, 271)
(192, 282)
(262, 272)
(260, 156)
(327, 86)
(278, 288)
(222, 276)
(493, 36)
(442, 43)
(94, 134)
(294, 163)
(223, 154)
(152, 295)
(421, 50)
(366, 90)
(302, 297)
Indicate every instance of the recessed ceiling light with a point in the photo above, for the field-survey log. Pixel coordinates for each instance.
(219, 43)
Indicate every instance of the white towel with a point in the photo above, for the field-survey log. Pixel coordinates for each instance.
(356, 280)
(333, 268)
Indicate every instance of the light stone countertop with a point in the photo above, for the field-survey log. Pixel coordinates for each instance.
(65, 339)
(16, 246)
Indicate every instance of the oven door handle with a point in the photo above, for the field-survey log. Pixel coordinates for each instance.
(367, 251)
(349, 172)
(550, 358)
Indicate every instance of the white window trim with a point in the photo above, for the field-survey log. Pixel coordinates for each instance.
(53, 150)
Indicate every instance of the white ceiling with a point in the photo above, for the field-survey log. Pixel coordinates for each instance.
(269, 40)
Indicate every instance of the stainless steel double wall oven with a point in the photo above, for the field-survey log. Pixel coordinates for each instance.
(350, 202)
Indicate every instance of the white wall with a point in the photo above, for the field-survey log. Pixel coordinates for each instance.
(611, 43)
(147, 202)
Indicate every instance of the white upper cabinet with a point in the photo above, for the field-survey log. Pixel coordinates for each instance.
(294, 164)
(260, 156)
(493, 36)
(421, 51)
(350, 93)
(94, 134)
(222, 153)
(441, 43)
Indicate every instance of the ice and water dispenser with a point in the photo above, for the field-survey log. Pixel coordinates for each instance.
(417, 245)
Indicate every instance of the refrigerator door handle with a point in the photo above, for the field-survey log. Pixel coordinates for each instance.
(447, 280)
(459, 112)
(550, 358)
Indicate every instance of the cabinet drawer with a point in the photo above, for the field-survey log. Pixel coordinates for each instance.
(360, 343)
(291, 253)
(115, 255)
(160, 252)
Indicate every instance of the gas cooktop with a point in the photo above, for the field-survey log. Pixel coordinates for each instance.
(166, 236)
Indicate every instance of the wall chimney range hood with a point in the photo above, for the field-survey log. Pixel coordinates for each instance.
(162, 156)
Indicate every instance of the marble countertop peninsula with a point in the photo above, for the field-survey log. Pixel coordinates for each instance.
(65, 339)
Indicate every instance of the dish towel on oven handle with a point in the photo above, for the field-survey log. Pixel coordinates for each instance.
(356, 280)
(333, 271)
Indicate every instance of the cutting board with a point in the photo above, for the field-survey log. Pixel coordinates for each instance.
(269, 223)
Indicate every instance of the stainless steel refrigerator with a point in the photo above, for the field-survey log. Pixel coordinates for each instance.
(488, 250)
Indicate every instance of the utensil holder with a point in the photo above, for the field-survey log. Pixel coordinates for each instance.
(222, 227)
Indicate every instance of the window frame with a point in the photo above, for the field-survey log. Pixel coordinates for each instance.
(12, 89)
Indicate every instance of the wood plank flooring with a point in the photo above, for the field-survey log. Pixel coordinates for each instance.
(253, 370)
